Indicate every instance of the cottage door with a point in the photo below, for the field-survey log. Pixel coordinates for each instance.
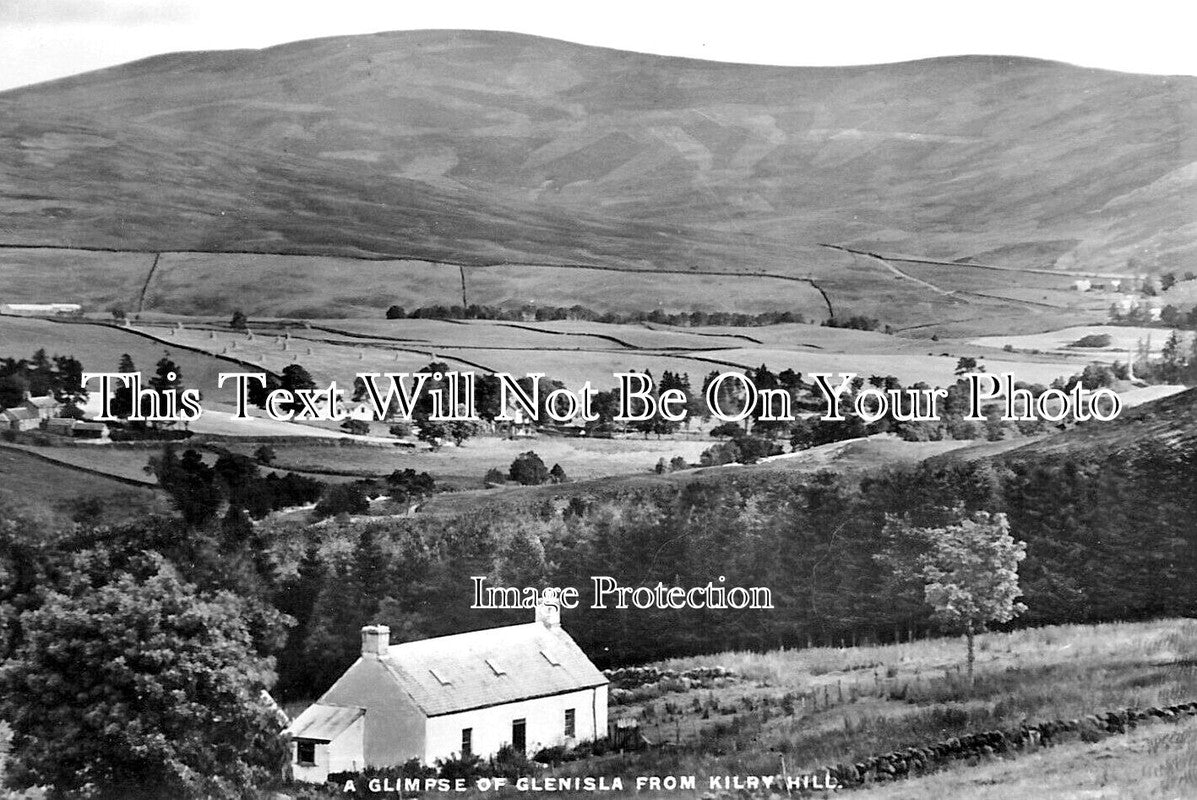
(519, 735)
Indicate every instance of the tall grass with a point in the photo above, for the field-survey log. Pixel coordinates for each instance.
(894, 696)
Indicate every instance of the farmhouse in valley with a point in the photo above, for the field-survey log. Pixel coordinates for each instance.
(529, 686)
(30, 413)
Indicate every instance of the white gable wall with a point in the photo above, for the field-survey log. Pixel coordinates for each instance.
(545, 724)
(394, 729)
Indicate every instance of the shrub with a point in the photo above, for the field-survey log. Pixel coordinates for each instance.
(727, 429)
(1093, 340)
(528, 469)
(343, 498)
(356, 427)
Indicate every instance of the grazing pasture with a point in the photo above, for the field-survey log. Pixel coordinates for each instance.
(32, 483)
(1125, 341)
(464, 467)
(798, 710)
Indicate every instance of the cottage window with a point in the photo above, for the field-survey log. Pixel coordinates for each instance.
(569, 723)
(467, 742)
(519, 735)
(305, 753)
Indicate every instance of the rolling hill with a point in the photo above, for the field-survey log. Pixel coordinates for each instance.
(484, 148)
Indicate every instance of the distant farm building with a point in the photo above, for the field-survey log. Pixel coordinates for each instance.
(77, 429)
(30, 412)
(1081, 285)
(41, 309)
(528, 686)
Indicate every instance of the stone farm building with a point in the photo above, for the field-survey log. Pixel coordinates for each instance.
(30, 413)
(529, 686)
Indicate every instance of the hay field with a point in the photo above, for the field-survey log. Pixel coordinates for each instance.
(1124, 339)
(99, 348)
(465, 466)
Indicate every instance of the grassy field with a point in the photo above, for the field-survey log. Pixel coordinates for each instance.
(575, 352)
(822, 705)
(1153, 763)
(465, 466)
(99, 348)
(126, 463)
(30, 483)
(1124, 340)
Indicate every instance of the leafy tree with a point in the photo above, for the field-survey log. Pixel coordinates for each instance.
(969, 571)
(461, 429)
(294, 377)
(407, 484)
(191, 484)
(528, 469)
(348, 598)
(239, 322)
(122, 397)
(731, 429)
(431, 431)
(265, 455)
(68, 380)
(12, 390)
(967, 364)
(343, 498)
(395, 312)
(140, 687)
(557, 474)
(167, 375)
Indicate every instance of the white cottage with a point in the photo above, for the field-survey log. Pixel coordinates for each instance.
(529, 686)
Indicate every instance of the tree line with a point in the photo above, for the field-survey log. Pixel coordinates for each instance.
(1097, 550)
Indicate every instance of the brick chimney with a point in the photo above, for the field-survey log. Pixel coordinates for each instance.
(375, 640)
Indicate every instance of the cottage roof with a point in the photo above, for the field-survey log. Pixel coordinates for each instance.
(323, 723)
(46, 401)
(455, 673)
(19, 413)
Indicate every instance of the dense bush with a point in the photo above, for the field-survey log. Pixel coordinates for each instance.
(1093, 340)
(528, 469)
(342, 498)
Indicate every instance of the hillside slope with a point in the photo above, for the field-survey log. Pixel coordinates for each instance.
(485, 147)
